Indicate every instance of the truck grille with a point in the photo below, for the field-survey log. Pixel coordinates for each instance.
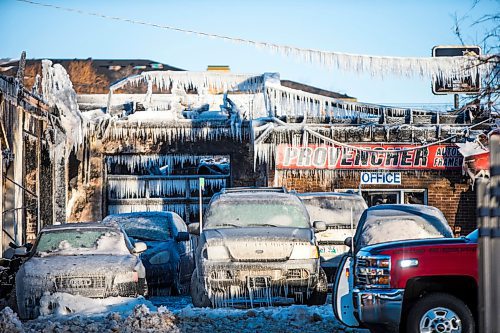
(373, 272)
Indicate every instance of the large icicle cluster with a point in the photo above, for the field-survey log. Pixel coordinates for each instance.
(181, 130)
(200, 81)
(58, 91)
(135, 162)
(284, 101)
(141, 187)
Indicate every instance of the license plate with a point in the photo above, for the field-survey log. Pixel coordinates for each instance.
(330, 249)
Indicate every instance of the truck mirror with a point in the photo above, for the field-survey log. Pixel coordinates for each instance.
(348, 242)
(194, 228)
(21, 252)
(182, 236)
(319, 226)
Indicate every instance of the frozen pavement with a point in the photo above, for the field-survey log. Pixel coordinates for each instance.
(171, 314)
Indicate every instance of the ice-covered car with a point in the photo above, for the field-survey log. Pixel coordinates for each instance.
(88, 259)
(257, 246)
(341, 213)
(169, 259)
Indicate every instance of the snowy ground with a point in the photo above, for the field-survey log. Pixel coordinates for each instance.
(170, 314)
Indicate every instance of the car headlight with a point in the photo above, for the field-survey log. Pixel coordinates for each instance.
(126, 277)
(216, 253)
(304, 252)
(160, 258)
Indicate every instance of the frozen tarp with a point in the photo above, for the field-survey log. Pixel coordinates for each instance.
(385, 223)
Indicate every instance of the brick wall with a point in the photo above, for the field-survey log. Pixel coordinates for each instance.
(449, 191)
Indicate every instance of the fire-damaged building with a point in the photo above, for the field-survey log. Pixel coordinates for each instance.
(144, 141)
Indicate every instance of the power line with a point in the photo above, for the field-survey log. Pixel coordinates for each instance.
(375, 65)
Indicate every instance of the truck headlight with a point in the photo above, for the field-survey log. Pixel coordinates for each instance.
(160, 258)
(304, 252)
(218, 252)
(373, 271)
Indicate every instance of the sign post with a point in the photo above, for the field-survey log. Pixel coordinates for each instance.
(469, 83)
(201, 187)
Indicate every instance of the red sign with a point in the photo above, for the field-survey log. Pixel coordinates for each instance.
(436, 157)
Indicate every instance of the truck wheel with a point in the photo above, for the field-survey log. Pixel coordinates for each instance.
(198, 294)
(440, 312)
(320, 292)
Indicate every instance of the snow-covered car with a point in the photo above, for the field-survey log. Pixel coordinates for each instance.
(169, 258)
(341, 213)
(88, 259)
(256, 246)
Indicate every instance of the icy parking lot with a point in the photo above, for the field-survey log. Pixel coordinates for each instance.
(170, 314)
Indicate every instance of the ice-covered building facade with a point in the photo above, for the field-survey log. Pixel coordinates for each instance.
(152, 144)
(145, 142)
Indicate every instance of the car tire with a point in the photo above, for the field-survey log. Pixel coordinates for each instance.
(198, 293)
(320, 292)
(12, 300)
(176, 288)
(440, 309)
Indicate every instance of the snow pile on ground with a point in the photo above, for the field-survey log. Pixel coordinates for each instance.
(180, 316)
(295, 318)
(140, 320)
(64, 304)
(9, 322)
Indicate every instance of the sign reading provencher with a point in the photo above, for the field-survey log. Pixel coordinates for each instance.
(330, 157)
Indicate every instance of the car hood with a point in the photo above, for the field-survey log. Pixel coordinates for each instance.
(267, 243)
(79, 265)
(403, 244)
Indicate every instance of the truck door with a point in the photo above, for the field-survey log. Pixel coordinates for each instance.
(343, 306)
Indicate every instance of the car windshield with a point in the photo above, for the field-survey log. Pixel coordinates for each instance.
(81, 242)
(334, 210)
(251, 211)
(144, 226)
(402, 223)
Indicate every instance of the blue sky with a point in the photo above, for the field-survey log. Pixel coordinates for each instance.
(390, 28)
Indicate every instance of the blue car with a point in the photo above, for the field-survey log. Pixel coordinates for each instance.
(169, 258)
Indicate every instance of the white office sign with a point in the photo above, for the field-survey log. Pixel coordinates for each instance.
(385, 178)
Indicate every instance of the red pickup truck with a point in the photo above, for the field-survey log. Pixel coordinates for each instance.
(429, 284)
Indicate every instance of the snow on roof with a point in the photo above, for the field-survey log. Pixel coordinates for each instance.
(162, 221)
(384, 223)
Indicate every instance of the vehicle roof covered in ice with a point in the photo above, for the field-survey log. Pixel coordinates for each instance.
(271, 195)
(393, 222)
(165, 221)
(80, 225)
(329, 194)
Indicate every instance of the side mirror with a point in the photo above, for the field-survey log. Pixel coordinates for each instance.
(21, 252)
(194, 228)
(319, 226)
(182, 236)
(140, 247)
(348, 242)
